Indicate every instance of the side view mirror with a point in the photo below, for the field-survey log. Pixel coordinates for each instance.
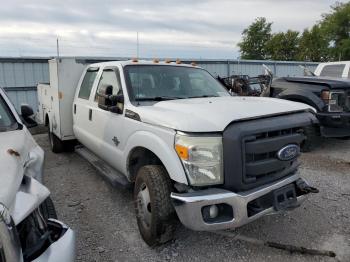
(27, 113)
(117, 103)
(107, 101)
(103, 95)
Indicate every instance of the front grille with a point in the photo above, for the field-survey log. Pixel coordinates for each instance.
(250, 149)
(260, 159)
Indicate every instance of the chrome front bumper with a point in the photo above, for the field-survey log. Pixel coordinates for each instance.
(189, 206)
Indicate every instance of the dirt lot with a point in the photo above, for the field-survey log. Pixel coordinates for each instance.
(103, 217)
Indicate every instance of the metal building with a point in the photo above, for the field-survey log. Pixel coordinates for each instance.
(20, 76)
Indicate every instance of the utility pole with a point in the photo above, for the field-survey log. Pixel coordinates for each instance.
(58, 48)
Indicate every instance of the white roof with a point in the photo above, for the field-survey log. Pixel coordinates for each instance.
(336, 63)
(139, 62)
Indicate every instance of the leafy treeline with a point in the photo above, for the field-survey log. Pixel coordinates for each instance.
(328, 40)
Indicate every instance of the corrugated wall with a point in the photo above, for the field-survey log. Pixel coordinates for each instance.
(20, 76)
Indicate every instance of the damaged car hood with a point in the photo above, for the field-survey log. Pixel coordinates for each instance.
(14, 149)
(213, 114)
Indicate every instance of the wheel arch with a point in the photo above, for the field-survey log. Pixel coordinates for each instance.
(147, 148)
(311, 100)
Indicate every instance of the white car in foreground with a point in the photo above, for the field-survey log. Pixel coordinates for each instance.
(29, 230)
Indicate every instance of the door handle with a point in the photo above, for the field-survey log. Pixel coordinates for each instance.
(75, 109)
(90, 114)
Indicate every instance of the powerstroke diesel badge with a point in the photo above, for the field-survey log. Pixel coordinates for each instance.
(288, 152)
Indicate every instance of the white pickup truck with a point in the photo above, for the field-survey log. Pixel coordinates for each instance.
(190, 149)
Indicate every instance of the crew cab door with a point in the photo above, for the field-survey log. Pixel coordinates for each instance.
(107, 127)
(82, 108)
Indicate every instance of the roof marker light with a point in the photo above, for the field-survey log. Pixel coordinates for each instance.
(134, 60)
(193, 64)
(156, 60)
(168, 61)
(178, 61)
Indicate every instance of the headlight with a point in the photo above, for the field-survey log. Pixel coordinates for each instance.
(336, 100)
(202, 158)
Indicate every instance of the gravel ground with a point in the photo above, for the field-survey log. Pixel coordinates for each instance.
(103, 217)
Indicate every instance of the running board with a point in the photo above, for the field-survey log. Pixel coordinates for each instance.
(109, 173)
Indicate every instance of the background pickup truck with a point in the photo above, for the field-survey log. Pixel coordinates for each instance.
(190, 149)
(328, 91)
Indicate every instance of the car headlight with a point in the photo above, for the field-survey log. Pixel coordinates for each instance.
(202, 158)
(336, 100)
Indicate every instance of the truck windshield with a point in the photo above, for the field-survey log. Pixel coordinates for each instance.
(158, 82)
(7, 120)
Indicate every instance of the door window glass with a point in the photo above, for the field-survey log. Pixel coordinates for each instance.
(87, 83)
(110, 77)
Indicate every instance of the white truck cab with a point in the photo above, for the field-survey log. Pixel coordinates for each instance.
(187, 145)
(339, 69)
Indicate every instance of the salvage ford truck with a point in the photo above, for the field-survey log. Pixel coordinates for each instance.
(191, 150)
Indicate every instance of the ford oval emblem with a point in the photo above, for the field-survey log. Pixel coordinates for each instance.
(288, 152)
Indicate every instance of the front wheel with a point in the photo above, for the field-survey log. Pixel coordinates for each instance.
(313, 138)
(154, 211)
(47, 209)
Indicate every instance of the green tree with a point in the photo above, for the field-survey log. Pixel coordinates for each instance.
(313, 45)
(283, 46)
(336, 25)
(254, 39)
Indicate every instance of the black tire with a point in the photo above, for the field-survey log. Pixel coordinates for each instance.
(158, 222)
(313, 138)
(48, 210)
(56, 144)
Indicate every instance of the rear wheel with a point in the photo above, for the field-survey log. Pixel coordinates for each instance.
(154, 211)
(55, 143)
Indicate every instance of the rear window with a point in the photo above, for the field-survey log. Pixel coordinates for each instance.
(333, 70)
(88, 81)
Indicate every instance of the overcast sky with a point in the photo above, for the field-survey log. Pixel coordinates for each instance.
(181, 28)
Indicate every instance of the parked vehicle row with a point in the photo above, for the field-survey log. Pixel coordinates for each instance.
(29, 229)
(189, 149)
(327, 90)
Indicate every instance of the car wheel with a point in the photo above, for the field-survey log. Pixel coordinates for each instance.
(48, 210)
(313, 138)
(154, 211)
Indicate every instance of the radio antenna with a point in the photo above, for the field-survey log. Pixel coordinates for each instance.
(137, 45)
(57, 48)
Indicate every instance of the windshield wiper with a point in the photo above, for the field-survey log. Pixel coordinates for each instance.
(158, 98)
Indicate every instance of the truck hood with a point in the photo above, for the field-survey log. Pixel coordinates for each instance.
(12, 164)
(213, 114)
(330, 82)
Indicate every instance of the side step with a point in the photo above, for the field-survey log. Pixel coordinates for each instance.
(113, 176)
